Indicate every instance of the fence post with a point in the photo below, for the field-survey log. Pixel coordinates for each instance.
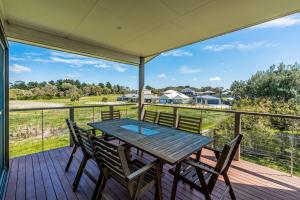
(72, 118)
(175, 112)
(237, 130)
(292, 141)
(42, 130)
(111, 110)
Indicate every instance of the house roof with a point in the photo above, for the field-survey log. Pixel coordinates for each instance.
(172, 94)
(207, 97)
(187, 90)
(126, 30)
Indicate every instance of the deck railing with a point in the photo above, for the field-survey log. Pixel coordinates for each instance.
(272, 140)
(34, 130)
(269, 139)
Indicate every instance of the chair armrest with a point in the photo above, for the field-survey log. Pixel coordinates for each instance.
(216, 151)
(90, 130)
(212, 149)
(142, 170)
(201, 166)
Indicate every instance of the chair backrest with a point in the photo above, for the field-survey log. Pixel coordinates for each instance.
(166, 119)
(150, 116)
(71, 126)
(224, 160)
(190, 124)
(228, 153)
(108, 115)
(84, 141)
(111, 157)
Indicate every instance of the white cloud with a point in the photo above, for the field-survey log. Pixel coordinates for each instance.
(19, 68)
(173, 79)
(32, 54)
(16, 58)
(66, 55)
(215, 78)
(161, 76)
(194, 80)
(280, 23)
(76, 62)
(71, 75)
(102, 66)
(187, 70)
(177, 53)
(119, 68)
(239, 46)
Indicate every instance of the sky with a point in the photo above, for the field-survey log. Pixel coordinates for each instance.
(215, 62)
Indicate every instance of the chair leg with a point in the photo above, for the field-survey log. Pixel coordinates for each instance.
(226, 178)
(175, 181)
(71, 157)
(99, 187)
(79, 173)
(158, 189)
(203, 184)
(198, 155)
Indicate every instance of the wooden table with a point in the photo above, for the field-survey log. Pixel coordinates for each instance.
(167, 144)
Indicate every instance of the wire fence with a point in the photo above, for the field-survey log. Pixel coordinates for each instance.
(269, 140)
(41, 129)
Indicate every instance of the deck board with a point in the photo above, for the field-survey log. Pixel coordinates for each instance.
(42, 176)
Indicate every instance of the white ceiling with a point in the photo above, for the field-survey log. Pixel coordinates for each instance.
(124, 30)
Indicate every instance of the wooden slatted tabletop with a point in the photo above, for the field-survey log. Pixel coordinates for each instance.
(168, 144)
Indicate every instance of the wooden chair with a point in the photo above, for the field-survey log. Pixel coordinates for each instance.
(203, 177)
(166, 119)
(71, 125)
(150, 116)
(87, 151)
(107, 115)
(190, 124)
(114, 162)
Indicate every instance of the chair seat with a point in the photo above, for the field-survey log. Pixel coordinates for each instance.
(189, 175)
(149, 175)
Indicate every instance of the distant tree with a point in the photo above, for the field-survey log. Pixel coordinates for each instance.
(281, 82)
(108, 85)
(101, 85)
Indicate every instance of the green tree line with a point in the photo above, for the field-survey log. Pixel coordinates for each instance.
(72, 89)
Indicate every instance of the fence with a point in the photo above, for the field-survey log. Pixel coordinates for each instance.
(272, 140)
(269, 139)
(34, 130)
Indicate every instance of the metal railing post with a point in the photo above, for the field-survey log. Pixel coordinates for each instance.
(72, 118)
(175, 112)
(292, 142)
(42, 130)
(93, 114)
(237, 130)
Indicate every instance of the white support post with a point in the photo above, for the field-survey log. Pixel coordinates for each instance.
(141, 87)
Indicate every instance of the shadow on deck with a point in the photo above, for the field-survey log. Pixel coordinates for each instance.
(42, 176)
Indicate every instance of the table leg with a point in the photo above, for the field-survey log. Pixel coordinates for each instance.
(175, 181)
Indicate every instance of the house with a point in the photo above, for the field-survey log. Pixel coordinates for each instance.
(174, 97)
(133, 97)
(208, 92)
(208, 99)
(188, 92)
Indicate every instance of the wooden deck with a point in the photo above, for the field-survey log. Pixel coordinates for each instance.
(42, 176)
